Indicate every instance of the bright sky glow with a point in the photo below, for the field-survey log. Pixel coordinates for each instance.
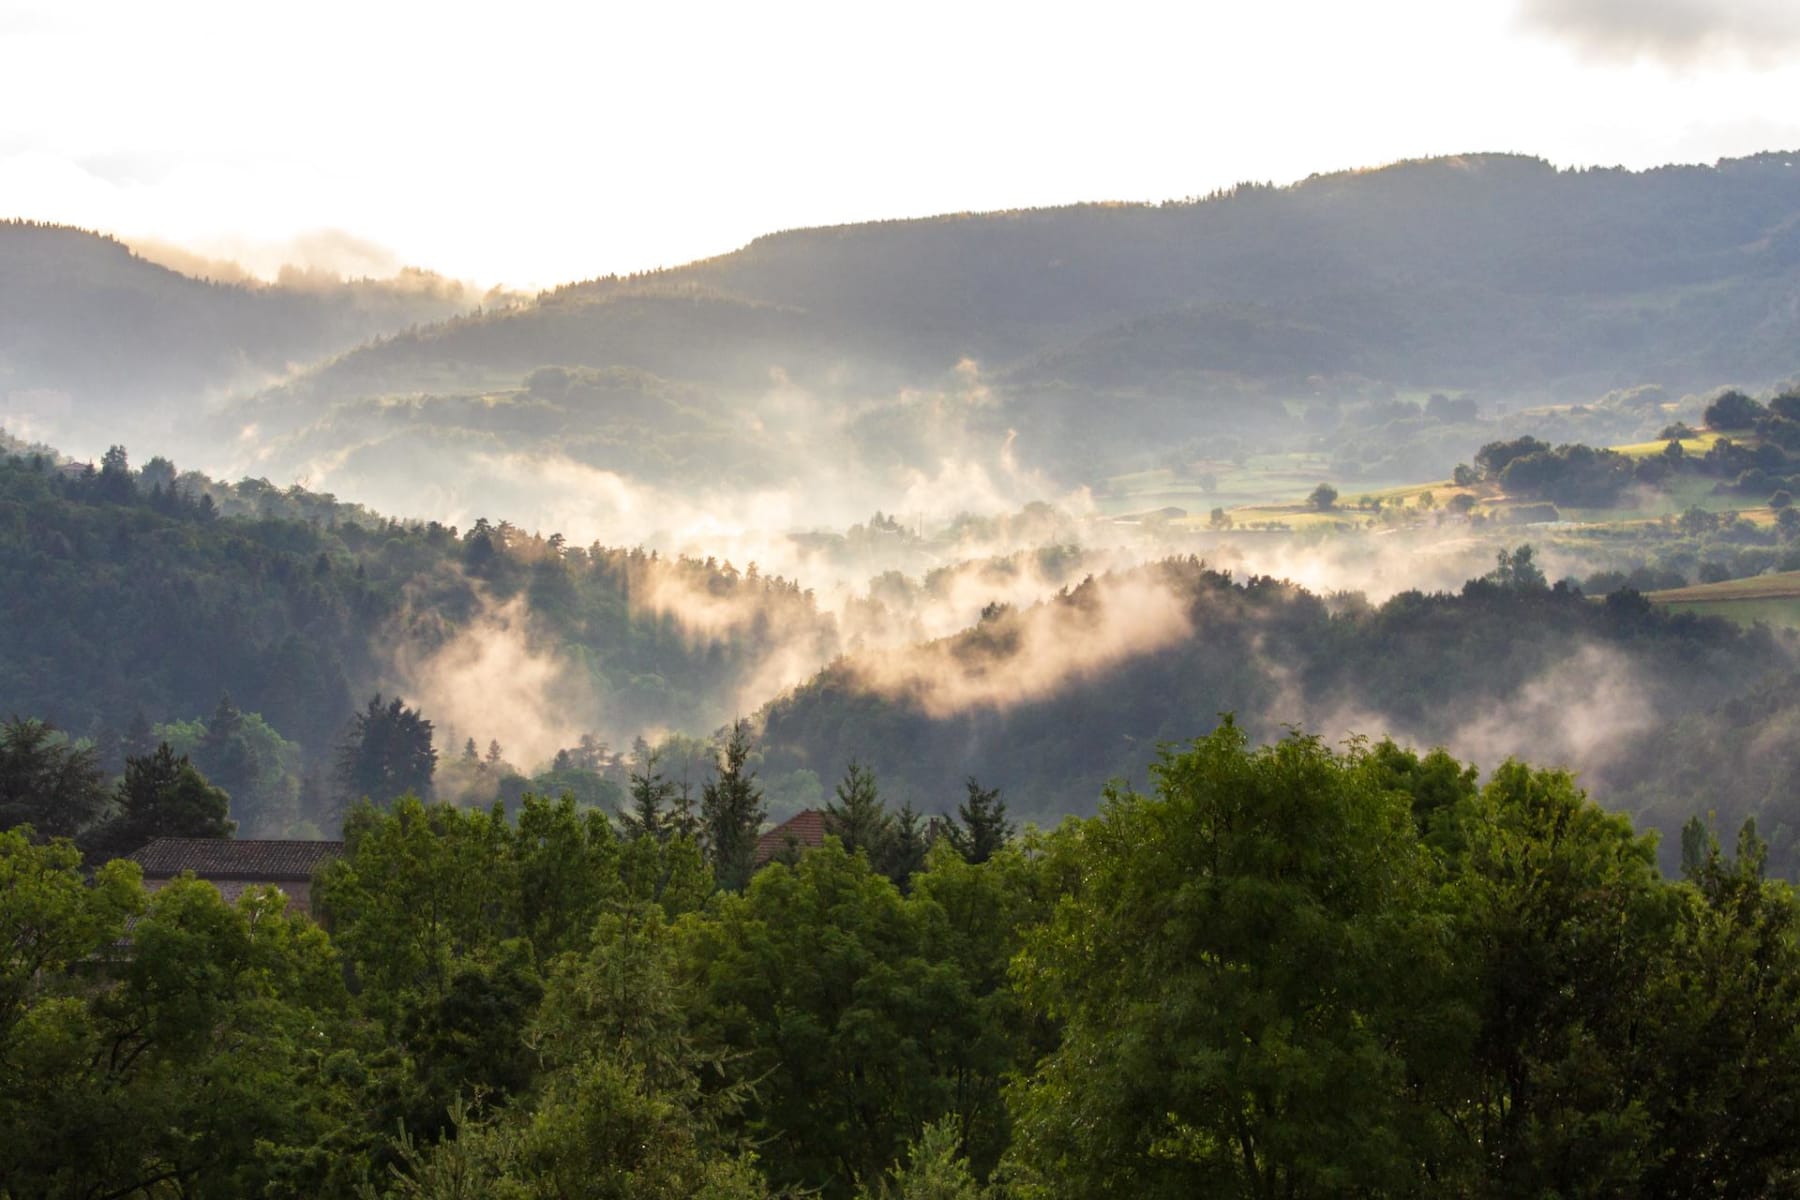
(530, 143)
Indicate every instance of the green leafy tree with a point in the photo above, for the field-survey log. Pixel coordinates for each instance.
(176, 1064)
(1241, 974)
(1493, 459)
(935, 1169)
(1723, 1015)
(258, 768)
(419, 889)
(51, 921)
(1517, 571)
(469, 1040)
(624, 1110)
(972, 921)
(816, 978)
(1322, 498)
(1562, 917)
(1732, 410)
(565, 863)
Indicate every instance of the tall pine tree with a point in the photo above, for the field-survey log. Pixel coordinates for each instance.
(732, 813)
(857, 817)
(981, 827)
(650, 793)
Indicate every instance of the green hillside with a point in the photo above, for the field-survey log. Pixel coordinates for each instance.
(1098, 337)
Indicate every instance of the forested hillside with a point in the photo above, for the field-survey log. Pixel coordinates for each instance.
(1091, 339)
(140, 600)
(1633, 698)
(93, 337)
(133, 598)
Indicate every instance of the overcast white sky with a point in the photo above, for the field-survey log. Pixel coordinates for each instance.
(531, 143)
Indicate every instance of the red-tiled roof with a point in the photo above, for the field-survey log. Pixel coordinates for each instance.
(235, 858)
(805, 830)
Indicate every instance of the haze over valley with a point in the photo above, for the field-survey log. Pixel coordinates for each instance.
(648, 604)
(951, 465)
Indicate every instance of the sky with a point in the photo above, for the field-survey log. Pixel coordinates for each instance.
(529, 143)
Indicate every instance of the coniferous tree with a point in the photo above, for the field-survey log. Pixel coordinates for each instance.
(386, 753)
(682, 821)
(981, 827)
(161, 795)
(114, 481)
(857, 817)
(46, 781)
(731, 812)
(907, 843)
(650, 792)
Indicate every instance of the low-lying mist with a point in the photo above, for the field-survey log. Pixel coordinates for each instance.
(893, 532)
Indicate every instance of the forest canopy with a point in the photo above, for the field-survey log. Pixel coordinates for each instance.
(1290, 971)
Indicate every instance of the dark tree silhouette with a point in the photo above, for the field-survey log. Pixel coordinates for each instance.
(386, 753)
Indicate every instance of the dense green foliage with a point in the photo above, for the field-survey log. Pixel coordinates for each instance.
(1289, 972)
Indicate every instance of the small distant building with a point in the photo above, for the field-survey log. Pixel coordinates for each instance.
(805, 830)
(233, 864)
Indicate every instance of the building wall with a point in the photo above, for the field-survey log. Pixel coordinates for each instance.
(298, 892)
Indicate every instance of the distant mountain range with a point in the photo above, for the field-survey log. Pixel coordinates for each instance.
(1095, 336)
(95, 339)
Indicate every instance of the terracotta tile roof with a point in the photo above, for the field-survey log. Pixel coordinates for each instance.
(235, 858)
(805, 829)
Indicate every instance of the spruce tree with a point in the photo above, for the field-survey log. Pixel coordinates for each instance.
(386, 753)
(732, 813)
(650, 791)
(857, 817)
(981, 827)
(907, 843)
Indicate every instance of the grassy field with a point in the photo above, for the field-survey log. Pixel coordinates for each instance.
(1698, 444)
(1260, 479)
(1782, 586)
(1772, 599)
(1273, 487)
